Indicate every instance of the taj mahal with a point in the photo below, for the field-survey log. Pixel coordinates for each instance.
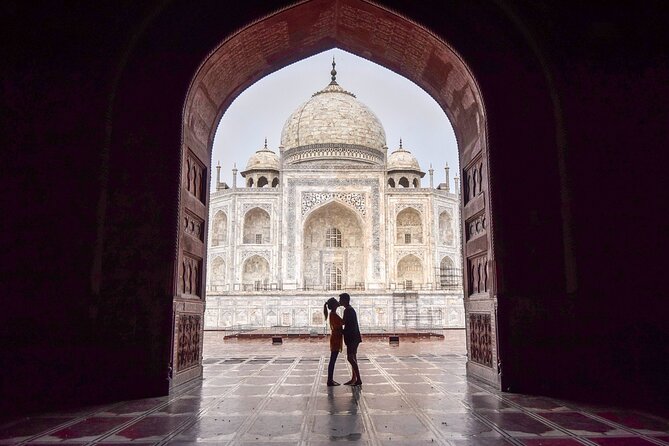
(332, 210)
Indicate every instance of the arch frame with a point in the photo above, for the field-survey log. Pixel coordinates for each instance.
(441, 72)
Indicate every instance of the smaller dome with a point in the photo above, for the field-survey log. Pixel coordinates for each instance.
(263, 159)
(402, 159)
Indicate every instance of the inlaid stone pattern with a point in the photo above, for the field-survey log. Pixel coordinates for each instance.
(399, 207)
(189, 327)
(264, 253)
(333, 183)
(264, 206)
(480, 332)
(336, 152)
(420, 253)
(354, 199)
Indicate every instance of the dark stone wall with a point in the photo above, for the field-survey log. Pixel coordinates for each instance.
(70, 335)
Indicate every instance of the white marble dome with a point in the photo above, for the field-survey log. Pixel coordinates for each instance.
(333, 116)
(402, 159)
(263, 159)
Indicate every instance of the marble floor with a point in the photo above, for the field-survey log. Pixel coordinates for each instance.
(416, 394)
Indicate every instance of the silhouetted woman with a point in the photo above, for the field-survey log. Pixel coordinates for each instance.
(336, 336)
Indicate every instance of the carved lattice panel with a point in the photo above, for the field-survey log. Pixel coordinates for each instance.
(473, 180)
(195, 177)
(478, 280)
(188, 340)
(480, 333)
(475, 226)
(193, 226)
(190, 276)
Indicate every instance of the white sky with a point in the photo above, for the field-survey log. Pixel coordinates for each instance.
(405, 110)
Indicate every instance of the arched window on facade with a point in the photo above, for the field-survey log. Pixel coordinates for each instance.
(255, 274)
(416, 183)
(332, 277)
(410, 271)
(262, 182)
(409, 227)
(445, 228)
(249, 182)
(219, 229)
(256, 227)
(448, 276)
(404, 182)
(275, 182)
(333, 238)
(217, 278)
(391, 182)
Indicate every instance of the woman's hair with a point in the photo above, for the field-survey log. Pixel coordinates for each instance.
(332, 304)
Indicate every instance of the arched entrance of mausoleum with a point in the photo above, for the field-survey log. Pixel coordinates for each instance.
(244, 57)
(334, 255)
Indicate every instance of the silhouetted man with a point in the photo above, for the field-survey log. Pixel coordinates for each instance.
(352, 338)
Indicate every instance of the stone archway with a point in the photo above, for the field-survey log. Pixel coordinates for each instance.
(244, 57)
(333, 247)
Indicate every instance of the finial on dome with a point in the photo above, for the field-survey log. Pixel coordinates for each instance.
(401, 144)
(265, 143)
(333, 73)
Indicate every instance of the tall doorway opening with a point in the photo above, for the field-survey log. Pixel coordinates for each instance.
(244, 58)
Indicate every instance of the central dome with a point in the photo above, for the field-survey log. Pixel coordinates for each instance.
(333, 116)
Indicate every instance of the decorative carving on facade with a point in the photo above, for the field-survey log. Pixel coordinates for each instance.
(190, 277)
(478, 275)
(446, 233)
(476, 226)
(193, 226)
(189, 327)
(399, 207)
(332, 150)
(333, 182)
(400, 253)
(480, 335)
(354, 199)
(330, 164)
(264, 206)
(195, 177)
(473, 180)
(264, 253)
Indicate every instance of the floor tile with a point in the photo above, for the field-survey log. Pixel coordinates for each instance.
(89, 428)
(415, 394)
(577, 423)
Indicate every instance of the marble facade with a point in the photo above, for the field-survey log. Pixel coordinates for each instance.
(334, 211)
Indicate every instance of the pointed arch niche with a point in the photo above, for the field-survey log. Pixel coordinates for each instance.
(333, 247)
(313, 26)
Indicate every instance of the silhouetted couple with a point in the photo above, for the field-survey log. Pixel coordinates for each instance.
(346, 329)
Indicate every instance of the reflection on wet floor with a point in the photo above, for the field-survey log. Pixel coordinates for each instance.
(254, 393)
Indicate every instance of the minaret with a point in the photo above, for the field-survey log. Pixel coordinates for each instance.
(457, 185)
(234, 176)
(448, 179)
(431, 176)
(218, 175)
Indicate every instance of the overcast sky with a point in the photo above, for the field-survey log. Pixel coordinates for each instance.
(405, 110)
